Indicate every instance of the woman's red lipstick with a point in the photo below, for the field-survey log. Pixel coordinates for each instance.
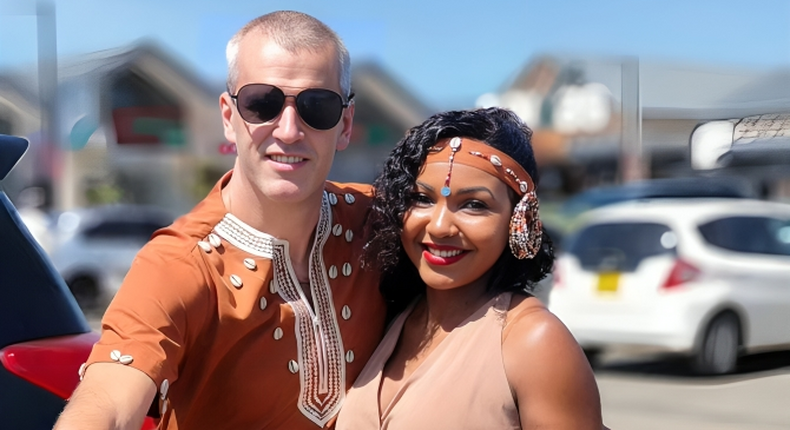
(441, 261)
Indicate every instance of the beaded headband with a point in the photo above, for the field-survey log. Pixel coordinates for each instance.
(482, 156)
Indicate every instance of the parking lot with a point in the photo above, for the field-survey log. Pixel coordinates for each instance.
(650, 393)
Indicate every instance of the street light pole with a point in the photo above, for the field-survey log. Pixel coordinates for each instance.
(633, 164)
(49, 171)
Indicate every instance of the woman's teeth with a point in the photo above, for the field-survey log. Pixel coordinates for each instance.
(444, 253)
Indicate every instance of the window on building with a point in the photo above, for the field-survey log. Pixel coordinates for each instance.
(143, 113)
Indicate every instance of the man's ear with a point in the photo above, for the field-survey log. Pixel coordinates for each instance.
(227, 109)
(345, 134)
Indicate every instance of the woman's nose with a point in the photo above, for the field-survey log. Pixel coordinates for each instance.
(442, 222)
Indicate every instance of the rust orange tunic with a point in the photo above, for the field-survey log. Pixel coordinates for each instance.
(212, 311)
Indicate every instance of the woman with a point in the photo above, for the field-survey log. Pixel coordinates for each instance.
(455, 230)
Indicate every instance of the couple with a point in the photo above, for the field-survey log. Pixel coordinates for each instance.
(260, 308)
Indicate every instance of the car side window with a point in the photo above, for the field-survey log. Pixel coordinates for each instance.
(749, 234)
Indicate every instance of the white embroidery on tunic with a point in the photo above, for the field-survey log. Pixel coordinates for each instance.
(322, 368)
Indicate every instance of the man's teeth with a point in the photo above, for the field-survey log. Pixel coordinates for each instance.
(286, 159)
(445, 254)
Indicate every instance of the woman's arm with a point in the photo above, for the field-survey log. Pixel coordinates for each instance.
(548, 372)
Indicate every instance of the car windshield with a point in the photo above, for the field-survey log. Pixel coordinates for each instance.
(620, 246)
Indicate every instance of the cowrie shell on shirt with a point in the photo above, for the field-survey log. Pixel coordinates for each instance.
(204, 246)
(126, 359)
(293, 366)
(337, 230)
(250, 264)
(349, 356)
(349, 235)
(346, 313)
(347, 269)
(332, 199)
(349, 198)
(214, 240)
(164, 388)
(333, 272)
(236, 281)
(278, 333)
(115, 355)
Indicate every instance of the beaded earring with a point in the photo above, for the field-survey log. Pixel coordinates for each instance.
(526, 229)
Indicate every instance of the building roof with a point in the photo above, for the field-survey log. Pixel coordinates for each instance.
(669, 90)
(372, 82)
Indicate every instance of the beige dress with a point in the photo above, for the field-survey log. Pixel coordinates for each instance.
(461, 385)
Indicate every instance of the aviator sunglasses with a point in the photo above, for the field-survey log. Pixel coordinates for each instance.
(319, 108)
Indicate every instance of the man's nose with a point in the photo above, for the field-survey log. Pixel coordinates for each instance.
(289, 127)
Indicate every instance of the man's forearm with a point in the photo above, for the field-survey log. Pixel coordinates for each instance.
(111, 397)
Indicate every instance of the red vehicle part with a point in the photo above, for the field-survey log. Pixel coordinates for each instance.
(53, 363)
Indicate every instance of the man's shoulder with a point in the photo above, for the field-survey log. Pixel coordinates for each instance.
(180, 239)
(352, 188)
(350, 201)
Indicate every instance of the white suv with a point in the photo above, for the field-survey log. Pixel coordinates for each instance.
(705, 277)
(94, 247)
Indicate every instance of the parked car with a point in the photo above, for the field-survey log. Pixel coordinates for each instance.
(94, 247)
(672, 188)
(709, 278)
(44, 338)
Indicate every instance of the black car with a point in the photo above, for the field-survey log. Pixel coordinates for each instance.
(44, 337)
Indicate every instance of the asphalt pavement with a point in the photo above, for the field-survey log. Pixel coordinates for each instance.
(662, 394)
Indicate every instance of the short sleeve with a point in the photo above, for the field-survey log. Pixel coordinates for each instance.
(156, 313)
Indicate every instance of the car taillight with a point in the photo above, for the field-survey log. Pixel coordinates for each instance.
(52, 363)
(681, 273)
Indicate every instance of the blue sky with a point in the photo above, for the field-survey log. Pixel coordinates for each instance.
(446, 52)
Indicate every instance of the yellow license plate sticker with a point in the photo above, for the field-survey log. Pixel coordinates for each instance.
(608, 282)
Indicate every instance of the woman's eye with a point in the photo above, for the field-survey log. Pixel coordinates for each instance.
(420, 199)
(475, 204)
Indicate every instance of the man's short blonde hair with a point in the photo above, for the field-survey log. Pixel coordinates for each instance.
(294, 32)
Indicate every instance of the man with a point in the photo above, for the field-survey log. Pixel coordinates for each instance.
(252, 310)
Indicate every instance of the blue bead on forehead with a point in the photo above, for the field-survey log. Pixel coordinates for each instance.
(455, 145)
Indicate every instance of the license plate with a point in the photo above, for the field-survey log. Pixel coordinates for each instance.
(608, 282)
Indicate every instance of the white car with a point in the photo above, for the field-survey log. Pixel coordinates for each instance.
(94, 247)
(706, 277)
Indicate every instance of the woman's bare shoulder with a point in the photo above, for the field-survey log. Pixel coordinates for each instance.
(544, 363)
(528, 320)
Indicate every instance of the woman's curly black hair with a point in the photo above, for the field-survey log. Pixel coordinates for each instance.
(400, 281)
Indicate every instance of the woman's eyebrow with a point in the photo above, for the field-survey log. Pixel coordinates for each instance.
(472, 190)
(424, 185)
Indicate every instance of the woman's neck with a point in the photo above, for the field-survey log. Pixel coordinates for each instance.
(445, 309)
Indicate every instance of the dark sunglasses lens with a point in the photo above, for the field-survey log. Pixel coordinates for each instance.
(259, 103)
(319, 108)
